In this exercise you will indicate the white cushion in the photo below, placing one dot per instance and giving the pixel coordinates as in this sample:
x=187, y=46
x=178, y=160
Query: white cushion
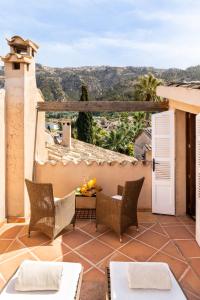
x=38, y=276
x=68, y=286
x=117, y=197
x=148, y=276
x=120, y=289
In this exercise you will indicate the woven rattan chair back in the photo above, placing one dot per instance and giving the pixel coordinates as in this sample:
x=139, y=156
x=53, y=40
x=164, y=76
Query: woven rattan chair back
x=42, y=207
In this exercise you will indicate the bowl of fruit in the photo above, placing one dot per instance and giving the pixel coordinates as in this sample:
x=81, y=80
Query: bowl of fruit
x=88, y=189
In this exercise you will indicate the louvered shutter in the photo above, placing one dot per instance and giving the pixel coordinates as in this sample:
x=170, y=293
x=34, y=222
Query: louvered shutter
x=198, y=178
x=163, y=153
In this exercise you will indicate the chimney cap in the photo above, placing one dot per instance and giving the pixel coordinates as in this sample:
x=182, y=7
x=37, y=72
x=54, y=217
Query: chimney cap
x=66, y=121
x=17, y=40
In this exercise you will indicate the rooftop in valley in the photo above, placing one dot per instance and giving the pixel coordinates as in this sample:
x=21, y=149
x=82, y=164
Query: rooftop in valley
x=81, y=151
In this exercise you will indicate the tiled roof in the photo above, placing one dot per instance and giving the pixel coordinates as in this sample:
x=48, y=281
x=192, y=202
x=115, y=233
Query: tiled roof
x=148, y=131
x=81, y=151
x=190, y=84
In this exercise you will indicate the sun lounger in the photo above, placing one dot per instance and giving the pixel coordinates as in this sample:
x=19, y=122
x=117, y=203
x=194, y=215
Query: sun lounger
x=69, y=287
x=117, y=286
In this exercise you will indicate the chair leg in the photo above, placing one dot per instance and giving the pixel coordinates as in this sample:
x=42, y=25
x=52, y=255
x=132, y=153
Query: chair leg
x=96, y=227
x=74, y=221
x=29, y=233
x=120, y=238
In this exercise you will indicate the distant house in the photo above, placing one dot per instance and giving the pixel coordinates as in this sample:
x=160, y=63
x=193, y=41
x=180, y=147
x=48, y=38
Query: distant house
x=142, y=145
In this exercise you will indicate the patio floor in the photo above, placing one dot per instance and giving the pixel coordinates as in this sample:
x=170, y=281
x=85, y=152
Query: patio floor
x=160, y=238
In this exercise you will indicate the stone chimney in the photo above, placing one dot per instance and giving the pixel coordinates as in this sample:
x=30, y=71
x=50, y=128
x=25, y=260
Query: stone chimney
x=21, y=96
x=66, y=139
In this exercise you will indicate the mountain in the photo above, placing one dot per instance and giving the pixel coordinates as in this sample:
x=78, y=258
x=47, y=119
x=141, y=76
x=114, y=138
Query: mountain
x=104, y=82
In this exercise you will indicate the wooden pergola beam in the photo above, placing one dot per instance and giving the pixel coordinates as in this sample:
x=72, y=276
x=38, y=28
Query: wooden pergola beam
x=102, y=106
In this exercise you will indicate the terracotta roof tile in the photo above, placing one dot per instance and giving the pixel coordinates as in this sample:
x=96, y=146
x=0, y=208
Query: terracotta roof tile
x=81, y=151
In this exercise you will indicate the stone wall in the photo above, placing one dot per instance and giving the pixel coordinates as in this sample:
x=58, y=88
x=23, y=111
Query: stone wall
x=67, y=177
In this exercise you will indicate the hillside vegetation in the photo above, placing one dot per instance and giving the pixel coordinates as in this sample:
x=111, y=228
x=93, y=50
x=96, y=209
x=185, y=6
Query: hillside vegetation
x=104, y=82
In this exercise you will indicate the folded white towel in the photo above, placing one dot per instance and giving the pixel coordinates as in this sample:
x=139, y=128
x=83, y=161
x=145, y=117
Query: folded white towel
x=149, y=275
x=38, y=276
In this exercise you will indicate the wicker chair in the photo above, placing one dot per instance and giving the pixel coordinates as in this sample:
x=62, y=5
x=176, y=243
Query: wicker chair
x=118, y=213
x=48, y=214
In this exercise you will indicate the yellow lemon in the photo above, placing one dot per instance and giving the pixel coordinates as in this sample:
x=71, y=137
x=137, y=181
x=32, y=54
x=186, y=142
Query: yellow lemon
x=90, y=184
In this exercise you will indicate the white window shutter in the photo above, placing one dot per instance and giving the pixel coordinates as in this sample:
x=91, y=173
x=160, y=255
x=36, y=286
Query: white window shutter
x=198, y=178
x=163, y=153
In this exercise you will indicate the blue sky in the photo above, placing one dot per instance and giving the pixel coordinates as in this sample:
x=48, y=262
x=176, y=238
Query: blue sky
x=159, y=33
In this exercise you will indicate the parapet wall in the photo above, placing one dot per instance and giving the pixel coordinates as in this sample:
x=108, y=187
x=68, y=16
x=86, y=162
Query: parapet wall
x=66, y=177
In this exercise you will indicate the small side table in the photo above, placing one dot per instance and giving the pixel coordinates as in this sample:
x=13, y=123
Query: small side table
x=85, y=207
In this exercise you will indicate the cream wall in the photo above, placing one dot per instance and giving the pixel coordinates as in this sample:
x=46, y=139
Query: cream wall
x=2, y=155
x=180, y=170
x=14, y=88
x=21, y=97
x=65, y=178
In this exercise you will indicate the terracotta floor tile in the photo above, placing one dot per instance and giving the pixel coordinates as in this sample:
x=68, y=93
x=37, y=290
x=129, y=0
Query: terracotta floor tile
x=9, y=267
x=191, y=228
x=75, y=238
x=191, y=282
x=177, y=266
x=162, y=219
x=11, y=233
x=189, y=248
x=116, y=256
x=93, y=286
x=191, y=296
x=82, y=223
x=186, y=220
x=146, y=217
x=36, y=239
x=14, y=249
x=51, y=252
x=157, y=228
x=178, y=232
x=147, y=224
x=23, y=231
x=95, y=251
x=195, y=264
x=90, y=228
x=112, y=239
x=173, y=250
x=137, y=251
x=73, y=257
x=133, y=232
x=153, y=239
x=101, y=250
x=4, y=244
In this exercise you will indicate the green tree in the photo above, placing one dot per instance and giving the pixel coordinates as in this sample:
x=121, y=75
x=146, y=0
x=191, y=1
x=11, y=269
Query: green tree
x=120, y=139
x=98, y=134
x=145, y=90
x=85, y=121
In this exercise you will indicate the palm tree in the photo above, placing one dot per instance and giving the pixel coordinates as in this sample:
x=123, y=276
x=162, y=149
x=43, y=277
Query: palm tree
x=145, y=89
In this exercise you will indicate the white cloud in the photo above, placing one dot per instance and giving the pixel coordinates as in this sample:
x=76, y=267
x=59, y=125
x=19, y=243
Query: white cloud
x=96, y=50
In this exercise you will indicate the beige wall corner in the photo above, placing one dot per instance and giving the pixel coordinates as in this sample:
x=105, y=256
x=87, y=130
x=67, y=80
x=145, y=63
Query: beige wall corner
x=2, y=157
x=180, y=172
